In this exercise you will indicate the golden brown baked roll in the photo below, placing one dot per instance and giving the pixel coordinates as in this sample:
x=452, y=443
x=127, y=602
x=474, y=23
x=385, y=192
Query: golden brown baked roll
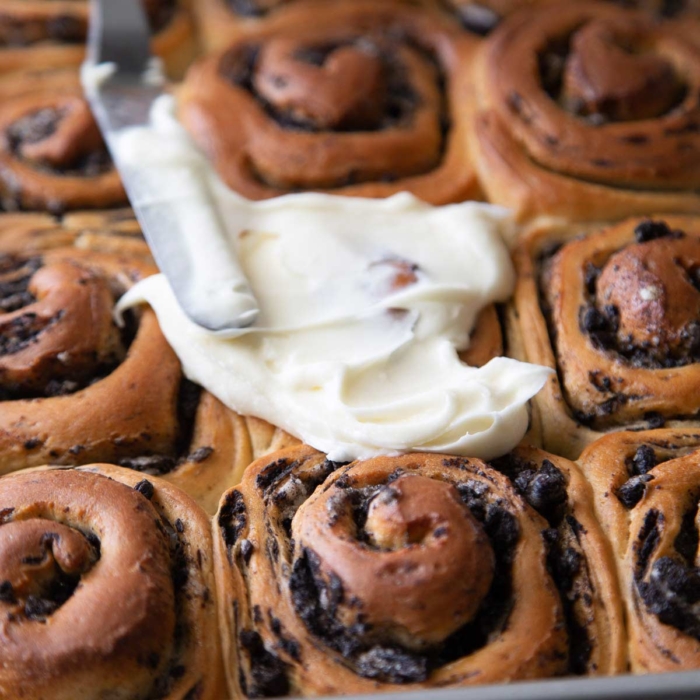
x=616, y=314
x=483, y=16
x=106, y=588
x=487, y=339
x=589, y=112
x=75, y=388
x=363, y=98
x=45, y=33
x=411, y=572
x=111, y=231
x=223, y=21
x=647, y=486
x=52, y=156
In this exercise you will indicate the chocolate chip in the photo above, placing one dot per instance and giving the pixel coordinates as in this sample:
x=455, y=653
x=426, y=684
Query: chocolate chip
x=273, y=473
x=631, y=492
x=593, y=320
x=478, y=19
x=647, y=541
x=32, y=443
x=151, y=464
x=247, y=549
x=233, y=519
x=392, y=665
x=36, y=608
x=591, y=274
x=643, y=460
x=654, y=420
x=7, y=592
x=544, y=489
x=268, y=673
x=671, y=593
x=200, y=454
x=649, y=230
x=145, y=488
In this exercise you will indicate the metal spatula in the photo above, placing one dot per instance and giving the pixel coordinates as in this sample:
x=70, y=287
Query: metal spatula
x=177, y=213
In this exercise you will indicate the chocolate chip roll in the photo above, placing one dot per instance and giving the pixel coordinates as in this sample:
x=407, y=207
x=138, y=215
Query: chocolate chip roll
x=616, y=314
x=52, y=156
x=410, y=572
x=361, y=98
x=106, y=588
x=589, y=112
x=75, y=388
x=647, y=486
x=45, y=33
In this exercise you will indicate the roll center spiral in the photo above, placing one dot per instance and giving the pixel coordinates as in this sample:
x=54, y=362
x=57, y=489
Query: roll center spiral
x=653, y=288
x=62, y=136
x=41, y=563
x=608, y=73
x=336, y=87
x=412, y=562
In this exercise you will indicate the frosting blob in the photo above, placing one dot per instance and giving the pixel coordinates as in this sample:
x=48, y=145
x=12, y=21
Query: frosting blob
x=364, y=306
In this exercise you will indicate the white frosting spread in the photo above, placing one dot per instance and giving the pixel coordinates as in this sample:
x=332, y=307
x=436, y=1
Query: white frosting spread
x=364, y=305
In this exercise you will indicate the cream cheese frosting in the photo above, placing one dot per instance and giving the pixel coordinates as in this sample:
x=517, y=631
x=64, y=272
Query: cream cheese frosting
x=364, y=306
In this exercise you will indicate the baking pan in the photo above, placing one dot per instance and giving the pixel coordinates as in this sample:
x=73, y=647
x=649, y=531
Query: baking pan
x=666, y=686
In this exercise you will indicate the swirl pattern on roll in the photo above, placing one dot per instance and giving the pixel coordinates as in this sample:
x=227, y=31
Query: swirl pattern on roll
x=360, y=99
x=616, y=314
x=52, y=156
x=106, y=582
x=647, y=486
x=589, y=112
x=76, y=389
x=405, y=573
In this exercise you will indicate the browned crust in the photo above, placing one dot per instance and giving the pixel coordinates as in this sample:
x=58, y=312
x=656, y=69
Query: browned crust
x=672, y=489
x=207, y=99
x=554, y=423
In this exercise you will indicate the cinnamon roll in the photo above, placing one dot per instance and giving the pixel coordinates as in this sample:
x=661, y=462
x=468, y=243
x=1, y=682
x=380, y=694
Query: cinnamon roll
x=52, y=156
x=647, y=486
x=45, y=33
x=616, y=314
x=361, y=98
x=75, y=388
x=106, y=588
x=410, y=572
x=589, y=112
x=111, y=231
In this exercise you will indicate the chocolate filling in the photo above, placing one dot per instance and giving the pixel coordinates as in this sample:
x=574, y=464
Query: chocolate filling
x=15, y=276
x=267, y=676
x=55, y=592
x=400, y=101
x=26, y=329
x=601, y=326
x=233, y=519
x=180, y=564
x=239, y=66
x=544, y=487
x=189, y=395
x=40, y=125
x=672, y=589
x=560, y=53
x=317, y=594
